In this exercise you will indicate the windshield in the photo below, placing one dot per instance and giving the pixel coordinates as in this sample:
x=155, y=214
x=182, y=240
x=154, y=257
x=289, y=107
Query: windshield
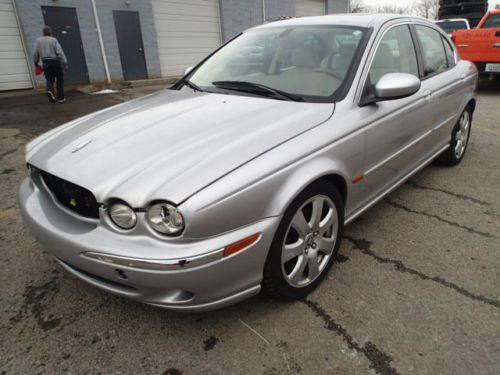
x=492, y=22
x=310, y=63
x=450, y=26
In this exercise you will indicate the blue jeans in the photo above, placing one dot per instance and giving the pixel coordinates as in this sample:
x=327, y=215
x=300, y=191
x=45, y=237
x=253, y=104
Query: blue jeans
x=53, y=72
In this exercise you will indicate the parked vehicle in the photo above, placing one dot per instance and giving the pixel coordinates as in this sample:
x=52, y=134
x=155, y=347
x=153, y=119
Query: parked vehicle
x=472, y=10
x=450, y=25
x=239, y=179
x=482, y=45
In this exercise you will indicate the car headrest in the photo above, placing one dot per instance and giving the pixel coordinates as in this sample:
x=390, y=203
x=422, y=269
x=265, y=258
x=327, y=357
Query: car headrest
x=304, y=56
x=347, y=49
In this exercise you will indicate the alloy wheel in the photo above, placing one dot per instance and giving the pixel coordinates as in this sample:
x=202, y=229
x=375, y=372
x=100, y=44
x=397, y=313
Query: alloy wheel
x=462, y=134
x=309, y=241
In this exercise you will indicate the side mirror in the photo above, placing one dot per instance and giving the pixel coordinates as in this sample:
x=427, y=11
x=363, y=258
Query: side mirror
x=187, y=70
x=395, y=86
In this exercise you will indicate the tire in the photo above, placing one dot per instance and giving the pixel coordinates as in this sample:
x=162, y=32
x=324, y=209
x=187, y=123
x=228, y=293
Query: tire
x=460, y=136
x=312, y=244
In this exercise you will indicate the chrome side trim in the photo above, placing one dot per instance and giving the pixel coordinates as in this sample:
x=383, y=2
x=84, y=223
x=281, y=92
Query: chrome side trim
x=391, y=188
x=156, y=264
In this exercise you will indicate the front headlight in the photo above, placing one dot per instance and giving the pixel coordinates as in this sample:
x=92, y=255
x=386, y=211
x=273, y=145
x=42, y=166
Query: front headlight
x=122, y=215
x=165, y=218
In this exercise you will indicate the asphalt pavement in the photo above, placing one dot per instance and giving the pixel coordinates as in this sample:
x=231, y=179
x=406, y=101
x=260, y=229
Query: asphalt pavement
x=415, y=290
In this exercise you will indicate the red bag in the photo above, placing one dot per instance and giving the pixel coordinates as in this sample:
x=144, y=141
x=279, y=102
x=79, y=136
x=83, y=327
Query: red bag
x=38, y=70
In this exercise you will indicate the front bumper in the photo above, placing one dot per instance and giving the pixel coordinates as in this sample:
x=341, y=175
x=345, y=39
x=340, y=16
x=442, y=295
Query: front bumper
x=190, y=286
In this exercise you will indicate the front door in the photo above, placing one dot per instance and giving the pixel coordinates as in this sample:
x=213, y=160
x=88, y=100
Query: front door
x=397, y=131
x=64, y=24
x=129, y=36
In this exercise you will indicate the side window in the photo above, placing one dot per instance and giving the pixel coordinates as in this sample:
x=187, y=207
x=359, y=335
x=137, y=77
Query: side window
x=493, y=21
x=432, y=49
x=395, y=54
x=450, y=55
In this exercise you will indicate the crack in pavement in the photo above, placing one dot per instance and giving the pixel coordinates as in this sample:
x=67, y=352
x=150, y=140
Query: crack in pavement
x=379, y=361
x=4, y=154
x=416, y=185
x=365, y=247
x=452, y=223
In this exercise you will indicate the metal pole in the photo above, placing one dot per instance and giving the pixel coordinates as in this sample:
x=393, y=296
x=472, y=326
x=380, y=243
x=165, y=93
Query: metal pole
x=263, y=11
x=101, y=43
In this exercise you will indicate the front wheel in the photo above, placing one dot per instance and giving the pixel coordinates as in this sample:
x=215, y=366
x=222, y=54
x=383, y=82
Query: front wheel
x=305, y=243
x=459, y=140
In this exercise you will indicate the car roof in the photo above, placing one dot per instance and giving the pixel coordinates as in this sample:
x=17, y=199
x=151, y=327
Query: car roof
x=348, y=19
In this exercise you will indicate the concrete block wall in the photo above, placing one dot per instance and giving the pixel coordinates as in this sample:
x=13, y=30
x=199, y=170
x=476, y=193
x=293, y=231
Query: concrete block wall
x=279, y=8
x=144, y=7
x=337, y=6
x=32, y=23
x=238, y=15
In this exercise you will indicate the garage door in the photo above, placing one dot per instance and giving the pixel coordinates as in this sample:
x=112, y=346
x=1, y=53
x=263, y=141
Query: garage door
x=310, y=7
x=187, y=30
x=14, y=72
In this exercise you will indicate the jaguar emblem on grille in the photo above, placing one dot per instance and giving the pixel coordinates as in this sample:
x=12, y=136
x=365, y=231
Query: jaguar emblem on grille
x=80, y=146
x=72, y=202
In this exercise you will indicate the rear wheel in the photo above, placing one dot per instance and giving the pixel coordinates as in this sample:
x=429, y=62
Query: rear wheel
x=459, y=140
x=305, y=243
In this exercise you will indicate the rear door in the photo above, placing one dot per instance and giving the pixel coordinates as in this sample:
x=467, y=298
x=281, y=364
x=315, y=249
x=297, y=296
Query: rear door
x=443, y=84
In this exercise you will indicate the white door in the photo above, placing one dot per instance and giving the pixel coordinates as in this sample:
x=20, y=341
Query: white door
x=310, y=8
x=14, y=72
x=187, y=31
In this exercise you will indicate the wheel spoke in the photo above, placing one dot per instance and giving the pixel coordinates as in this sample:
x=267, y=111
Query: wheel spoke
x=317, y=209
x=293, y=250
x=298, y=272
x=312, y=268
x=328, y=221
x=325, y=245
x=300, y=224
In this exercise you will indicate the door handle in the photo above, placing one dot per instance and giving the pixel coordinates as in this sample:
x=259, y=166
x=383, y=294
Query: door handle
x=427, y=95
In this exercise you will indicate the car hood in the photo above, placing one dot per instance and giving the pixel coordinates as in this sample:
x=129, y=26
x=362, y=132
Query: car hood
x=170, y=144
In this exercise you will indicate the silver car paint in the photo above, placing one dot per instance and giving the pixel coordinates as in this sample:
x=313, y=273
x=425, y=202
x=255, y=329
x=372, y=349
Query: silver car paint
x=230, y=176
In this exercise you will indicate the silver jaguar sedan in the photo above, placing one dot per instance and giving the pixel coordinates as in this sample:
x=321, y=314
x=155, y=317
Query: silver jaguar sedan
x=242, y=176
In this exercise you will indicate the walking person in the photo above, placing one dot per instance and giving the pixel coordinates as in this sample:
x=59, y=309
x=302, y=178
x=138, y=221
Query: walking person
x=48, y=49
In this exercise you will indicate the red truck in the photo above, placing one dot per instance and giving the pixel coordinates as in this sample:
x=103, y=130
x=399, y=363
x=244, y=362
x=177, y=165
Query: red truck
x=482, y=44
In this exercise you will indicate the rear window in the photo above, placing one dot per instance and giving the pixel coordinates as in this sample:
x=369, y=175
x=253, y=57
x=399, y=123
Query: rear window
x=450, y=26
x=433, y=52
x=492, y=22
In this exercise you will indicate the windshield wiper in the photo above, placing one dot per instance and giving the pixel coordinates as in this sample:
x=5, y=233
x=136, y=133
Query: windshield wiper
x=192, y=85
x=258, y=89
